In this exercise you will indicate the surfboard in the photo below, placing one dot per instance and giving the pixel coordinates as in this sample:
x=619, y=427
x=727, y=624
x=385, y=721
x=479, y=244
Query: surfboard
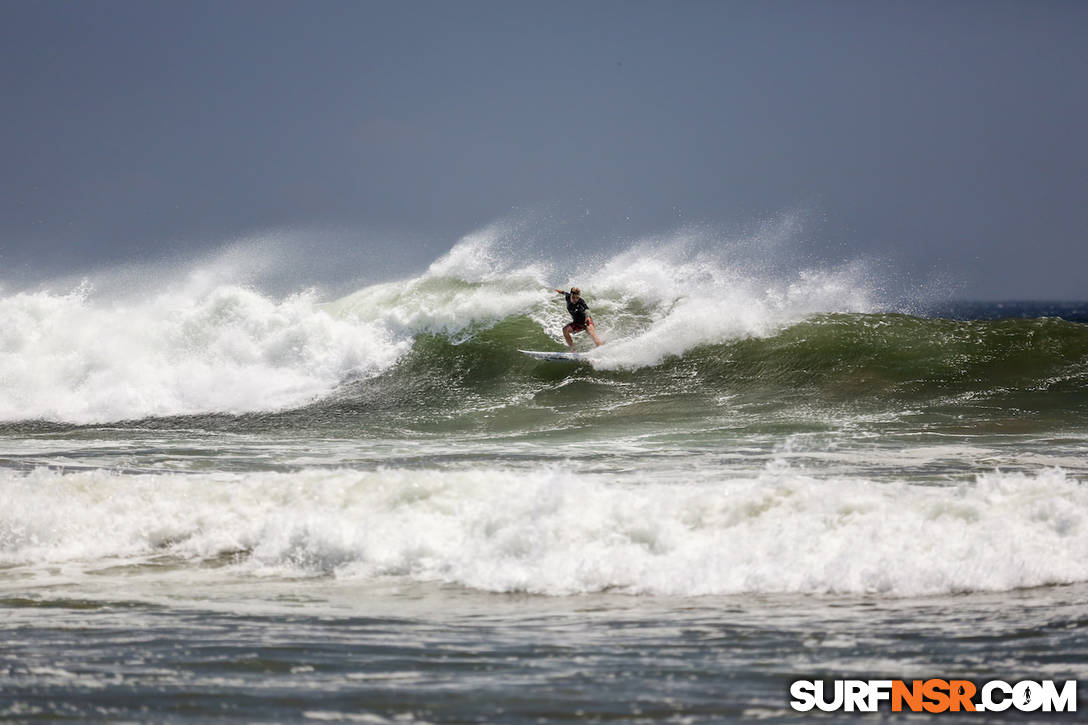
x=556, y=356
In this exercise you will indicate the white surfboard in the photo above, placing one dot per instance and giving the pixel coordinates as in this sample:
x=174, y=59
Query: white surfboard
x=557, y=356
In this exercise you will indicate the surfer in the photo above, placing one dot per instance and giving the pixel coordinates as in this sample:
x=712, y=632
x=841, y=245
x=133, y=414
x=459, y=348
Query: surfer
x=577, y=308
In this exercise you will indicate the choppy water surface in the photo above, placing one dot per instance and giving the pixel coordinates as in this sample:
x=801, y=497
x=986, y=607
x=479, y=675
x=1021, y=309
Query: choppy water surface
x=391, y=652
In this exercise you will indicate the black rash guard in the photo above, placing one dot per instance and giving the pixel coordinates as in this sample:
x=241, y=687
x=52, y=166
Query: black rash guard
x=577, y=309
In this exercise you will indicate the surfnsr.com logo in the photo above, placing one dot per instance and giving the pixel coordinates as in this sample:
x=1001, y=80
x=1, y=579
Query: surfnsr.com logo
x=934, y=695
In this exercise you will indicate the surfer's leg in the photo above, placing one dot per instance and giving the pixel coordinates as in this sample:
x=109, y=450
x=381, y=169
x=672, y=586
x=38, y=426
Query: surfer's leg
x=593, y=333
x=566, y=335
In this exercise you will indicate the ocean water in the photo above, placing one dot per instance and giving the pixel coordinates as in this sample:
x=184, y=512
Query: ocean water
x=221, y=504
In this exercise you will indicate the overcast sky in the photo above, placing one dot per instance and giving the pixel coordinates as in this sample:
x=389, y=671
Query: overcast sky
x=945, y=136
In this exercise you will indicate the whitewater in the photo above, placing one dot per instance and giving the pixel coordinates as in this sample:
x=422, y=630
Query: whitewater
x=221, y=501
x=545, y=533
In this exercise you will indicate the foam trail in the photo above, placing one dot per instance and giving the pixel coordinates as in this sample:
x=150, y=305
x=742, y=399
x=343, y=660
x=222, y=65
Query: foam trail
x=501, y=530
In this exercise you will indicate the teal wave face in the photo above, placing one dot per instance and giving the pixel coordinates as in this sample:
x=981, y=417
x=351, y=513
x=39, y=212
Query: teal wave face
x=1027, y=370
x=905, y=358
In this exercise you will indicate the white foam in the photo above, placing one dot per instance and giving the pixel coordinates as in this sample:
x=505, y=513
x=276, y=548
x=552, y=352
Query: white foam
x=502, y=530
x=70, y=357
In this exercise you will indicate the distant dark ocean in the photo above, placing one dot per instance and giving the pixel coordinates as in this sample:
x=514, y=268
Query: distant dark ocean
x=1069, y=311
x=216, y=505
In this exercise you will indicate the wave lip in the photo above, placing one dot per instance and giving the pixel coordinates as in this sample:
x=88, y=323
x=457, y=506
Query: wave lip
x=503, y=531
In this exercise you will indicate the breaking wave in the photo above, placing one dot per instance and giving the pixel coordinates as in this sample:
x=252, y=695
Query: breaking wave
x=202, y=345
